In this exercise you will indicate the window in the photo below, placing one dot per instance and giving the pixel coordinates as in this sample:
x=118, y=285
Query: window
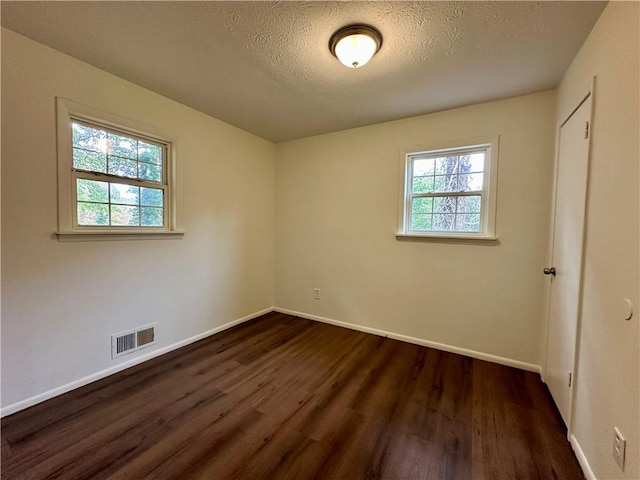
x=113, y=177
x=450, y=191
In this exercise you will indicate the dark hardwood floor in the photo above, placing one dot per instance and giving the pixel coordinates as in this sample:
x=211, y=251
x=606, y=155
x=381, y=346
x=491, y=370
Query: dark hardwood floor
x=281, y=397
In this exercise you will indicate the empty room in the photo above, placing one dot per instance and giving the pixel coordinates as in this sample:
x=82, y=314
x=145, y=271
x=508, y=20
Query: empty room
x=320, y=240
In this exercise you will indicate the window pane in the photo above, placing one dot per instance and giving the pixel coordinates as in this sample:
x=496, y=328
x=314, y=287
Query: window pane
x=93, y=214
x=120, y=179
x=422, y=205
x=88, y=138
x=123, y=146
x=125, y=215
x=422, y=184
x=149, y=153
x=446, y=165
x=151, y=217
x=471, y=182
x=128, y=194
x=86, y=160
x=469, y=204
x=476, y=162
x=421, y=221
x=444, y=222
x=151, y=197
x=444, y=205
x=423, y=166
x=446, y=183
x=150, y=172
x=123, y=167
x=454, y=189
x=468, y=223
x=92, y=191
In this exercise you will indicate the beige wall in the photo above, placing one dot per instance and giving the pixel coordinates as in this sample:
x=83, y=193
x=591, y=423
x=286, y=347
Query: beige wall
x=337, y=214
x=62, y=301
x=608, y=375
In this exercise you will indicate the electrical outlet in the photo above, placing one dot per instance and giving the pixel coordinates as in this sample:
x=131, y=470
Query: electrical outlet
x=316, y=293
x=619, y=447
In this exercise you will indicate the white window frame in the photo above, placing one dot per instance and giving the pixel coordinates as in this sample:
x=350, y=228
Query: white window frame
x=68, y=111
x=488, y=192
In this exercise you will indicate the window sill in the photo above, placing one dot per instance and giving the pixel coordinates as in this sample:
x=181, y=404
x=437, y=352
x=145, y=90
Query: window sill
x=448, y=238
x=89, y=236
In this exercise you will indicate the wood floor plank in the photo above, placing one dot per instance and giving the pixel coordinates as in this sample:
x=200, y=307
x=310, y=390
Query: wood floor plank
x=404, y=456
x=281, y=397
x=162, y=393
x=289, y=455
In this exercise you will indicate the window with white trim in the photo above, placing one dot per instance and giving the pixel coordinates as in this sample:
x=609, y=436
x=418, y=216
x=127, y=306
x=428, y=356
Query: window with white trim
x=119, y=177
x=450, y=191
x=113, y=177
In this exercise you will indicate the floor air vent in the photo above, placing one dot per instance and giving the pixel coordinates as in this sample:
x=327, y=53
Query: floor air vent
x=133, y=340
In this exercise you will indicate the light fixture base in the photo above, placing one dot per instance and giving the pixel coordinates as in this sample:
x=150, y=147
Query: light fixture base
x=352, y=30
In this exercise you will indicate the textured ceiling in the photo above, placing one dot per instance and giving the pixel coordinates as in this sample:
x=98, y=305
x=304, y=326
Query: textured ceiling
x=265, y=66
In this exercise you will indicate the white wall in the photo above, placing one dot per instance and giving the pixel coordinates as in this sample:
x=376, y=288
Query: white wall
x=337, y=214
x=62, y=301
x=608, y=374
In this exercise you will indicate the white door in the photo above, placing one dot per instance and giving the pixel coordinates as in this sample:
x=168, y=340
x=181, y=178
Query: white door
x=566, y=265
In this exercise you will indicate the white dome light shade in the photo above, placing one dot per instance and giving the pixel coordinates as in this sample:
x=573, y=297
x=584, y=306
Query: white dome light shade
x=355, y=50
x=355, y=45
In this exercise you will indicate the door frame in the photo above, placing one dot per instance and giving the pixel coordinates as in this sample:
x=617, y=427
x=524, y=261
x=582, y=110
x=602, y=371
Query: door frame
x=575, y=364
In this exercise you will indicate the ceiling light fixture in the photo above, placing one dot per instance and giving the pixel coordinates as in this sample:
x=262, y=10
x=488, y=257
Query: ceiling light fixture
x=355, y=45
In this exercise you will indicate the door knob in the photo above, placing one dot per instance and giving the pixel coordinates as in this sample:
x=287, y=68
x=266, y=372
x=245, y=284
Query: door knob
x=550, y=271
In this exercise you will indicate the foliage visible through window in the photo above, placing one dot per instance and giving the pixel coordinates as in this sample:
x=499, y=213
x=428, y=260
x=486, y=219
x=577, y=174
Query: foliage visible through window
x=446, y=191
x=119, y=178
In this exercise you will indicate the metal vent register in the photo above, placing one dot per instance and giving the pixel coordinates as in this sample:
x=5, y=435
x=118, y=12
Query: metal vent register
x=127, y=342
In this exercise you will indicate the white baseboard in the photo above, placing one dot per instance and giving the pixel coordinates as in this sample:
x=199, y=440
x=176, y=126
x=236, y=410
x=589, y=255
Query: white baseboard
x=21, y=405
x=582, y=458
x=419, y=341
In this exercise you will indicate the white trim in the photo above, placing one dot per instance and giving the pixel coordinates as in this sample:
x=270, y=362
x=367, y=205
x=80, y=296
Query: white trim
x=489, y=191
x=582, y=458
x=21, y=405
x=66, y=111
x=449, y=236
x=84, y=236
x=576, y=354
x=588, y=96
x=419, y=341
